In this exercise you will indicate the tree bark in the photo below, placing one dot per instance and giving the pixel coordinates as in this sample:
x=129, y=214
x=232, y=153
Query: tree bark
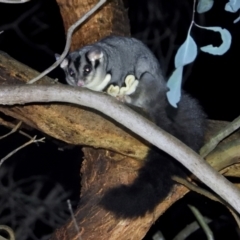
x=93, y=221
x=101, y=169
x=110, y=19
x=115, y=159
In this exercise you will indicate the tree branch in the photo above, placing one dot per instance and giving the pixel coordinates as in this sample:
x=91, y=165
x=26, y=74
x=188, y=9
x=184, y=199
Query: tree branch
x=14, y=1
x=133, y=121
x=223, y=133
x=68, y=42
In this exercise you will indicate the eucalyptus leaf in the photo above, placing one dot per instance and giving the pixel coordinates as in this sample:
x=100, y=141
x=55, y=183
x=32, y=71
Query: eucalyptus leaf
x=232, y=6
x=174, y=84
x=186, y=53
x=204, y=5
x=226, y=41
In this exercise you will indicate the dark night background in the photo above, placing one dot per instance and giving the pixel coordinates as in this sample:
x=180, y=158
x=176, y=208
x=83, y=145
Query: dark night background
x=33, y=32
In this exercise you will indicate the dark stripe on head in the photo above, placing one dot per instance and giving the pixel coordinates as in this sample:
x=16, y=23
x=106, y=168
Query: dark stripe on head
x=69, y=60
x=96, y=64
x=87, y=59
x=77, y=62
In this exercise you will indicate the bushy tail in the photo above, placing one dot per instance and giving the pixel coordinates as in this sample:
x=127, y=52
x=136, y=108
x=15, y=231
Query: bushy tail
x=150, y=187
x=154, y=182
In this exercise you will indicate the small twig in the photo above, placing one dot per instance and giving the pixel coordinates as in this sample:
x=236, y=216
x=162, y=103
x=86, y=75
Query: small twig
x=11, y=125
x=68, y=42
x=14, y=1
x=193, y=16
x=14, y=25
x=74, y=219
x=189, y=229
x=12, y=131
x=207, y=194
x=21, y=94
x=223, y=133
x=202, y=223
x=33, y=140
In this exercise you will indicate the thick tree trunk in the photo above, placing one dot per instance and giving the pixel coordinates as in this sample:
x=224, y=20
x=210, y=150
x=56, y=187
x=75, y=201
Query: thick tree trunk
x=110, y=19
x=100, y=172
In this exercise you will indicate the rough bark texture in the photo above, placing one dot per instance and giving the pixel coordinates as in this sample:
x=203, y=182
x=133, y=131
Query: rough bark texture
x=96, y=223
x=225, y=157
x=101, y=168
x=110, y=19
x=70, y=124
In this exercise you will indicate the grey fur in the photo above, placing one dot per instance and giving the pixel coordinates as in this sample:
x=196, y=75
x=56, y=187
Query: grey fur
x=121, y=56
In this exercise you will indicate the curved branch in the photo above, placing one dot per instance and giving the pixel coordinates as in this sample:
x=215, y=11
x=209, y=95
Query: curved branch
x=111, y=107
x=14, y=1
x=8, y=230
x=219, y=136
x=68, y=43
